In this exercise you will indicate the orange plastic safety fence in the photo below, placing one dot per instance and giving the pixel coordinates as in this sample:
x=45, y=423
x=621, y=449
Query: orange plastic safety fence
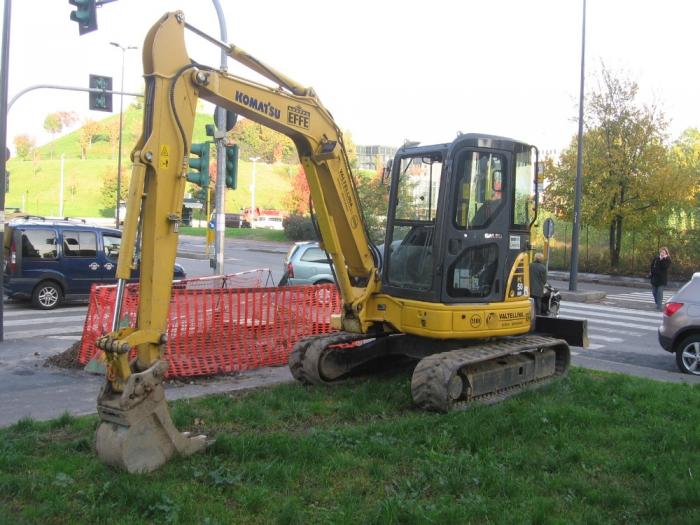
x=218, y=326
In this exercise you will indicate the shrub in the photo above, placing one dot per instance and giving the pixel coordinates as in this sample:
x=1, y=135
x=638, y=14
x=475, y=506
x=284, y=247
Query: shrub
x=299, y=228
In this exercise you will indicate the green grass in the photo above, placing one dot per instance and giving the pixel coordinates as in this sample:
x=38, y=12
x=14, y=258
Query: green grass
x=593, y=448
x=257, y=234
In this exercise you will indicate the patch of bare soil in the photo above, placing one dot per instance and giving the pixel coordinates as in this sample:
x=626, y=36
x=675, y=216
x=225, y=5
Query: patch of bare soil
x=66, y=359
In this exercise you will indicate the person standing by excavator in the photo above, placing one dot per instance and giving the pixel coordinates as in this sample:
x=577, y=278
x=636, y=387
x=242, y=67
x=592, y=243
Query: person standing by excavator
x=538, y=278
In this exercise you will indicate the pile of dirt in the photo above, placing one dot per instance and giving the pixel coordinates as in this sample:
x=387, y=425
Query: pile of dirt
x=66, y=359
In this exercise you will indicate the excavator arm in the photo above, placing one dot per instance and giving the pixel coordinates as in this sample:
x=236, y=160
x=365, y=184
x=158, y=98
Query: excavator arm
x=136, y=431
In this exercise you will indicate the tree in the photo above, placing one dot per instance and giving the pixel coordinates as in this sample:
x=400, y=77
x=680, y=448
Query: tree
x=112, y=129
x=108, y=192
x=297, y=200
x=624, y=160
x=87, y=134
x=374, y=200
x=24, y=145
x=256, y=140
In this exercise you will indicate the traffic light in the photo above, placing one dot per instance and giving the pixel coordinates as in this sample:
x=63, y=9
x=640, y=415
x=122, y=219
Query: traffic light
x=200, y=166
x=101, y=101
x=232, y=166
x=85, y=15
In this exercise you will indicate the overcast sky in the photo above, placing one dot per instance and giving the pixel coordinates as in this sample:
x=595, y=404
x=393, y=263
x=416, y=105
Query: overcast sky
x=388, y=71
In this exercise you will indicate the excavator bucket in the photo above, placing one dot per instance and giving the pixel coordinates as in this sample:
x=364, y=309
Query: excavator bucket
x=136, y=432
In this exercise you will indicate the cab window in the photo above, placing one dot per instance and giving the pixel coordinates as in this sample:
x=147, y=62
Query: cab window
x=480, y=188
x=79, y=244
x=39, y=244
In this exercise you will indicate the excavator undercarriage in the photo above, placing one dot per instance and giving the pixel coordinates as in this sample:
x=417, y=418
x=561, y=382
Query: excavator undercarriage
x=449, y=375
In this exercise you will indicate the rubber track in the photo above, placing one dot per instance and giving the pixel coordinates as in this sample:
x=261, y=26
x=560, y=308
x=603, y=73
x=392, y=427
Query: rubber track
x=305, y=356
x=432, y=374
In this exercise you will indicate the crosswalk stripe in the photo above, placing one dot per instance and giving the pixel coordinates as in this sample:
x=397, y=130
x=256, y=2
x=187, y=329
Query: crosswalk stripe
x=24, y=334
x=594, y=328
x=627, y=325
x=599, y=307
x=45, y=320
x=595, y=314
x=605, y=338
x=18, y=312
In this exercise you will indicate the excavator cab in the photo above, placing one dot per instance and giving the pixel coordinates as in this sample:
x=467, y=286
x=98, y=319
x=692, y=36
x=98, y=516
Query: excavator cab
x=459, y=217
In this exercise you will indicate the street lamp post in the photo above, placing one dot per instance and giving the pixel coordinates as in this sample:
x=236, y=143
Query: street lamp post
x=121, y=117
x=252, y=194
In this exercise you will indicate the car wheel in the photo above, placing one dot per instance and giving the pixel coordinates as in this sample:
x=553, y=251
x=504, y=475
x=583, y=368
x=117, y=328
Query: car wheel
x=47, y=295
x=688, y=355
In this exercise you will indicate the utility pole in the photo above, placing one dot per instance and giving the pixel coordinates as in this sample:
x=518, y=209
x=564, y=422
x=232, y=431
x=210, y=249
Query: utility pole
x=573, y=275
x=121, y=117
x=4, y=69
x=220, y=195
x=252, y=193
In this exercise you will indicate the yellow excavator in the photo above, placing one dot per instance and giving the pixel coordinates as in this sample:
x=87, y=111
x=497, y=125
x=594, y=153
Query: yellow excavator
x=450, y=286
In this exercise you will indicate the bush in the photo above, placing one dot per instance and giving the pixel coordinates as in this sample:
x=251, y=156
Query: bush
x=299, y=228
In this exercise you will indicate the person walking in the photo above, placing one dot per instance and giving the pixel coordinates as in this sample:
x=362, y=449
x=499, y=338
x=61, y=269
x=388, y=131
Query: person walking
x=658, y=276
x=538, y=278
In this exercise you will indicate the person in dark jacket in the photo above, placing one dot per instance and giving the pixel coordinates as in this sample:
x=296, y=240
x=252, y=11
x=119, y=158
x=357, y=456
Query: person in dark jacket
x=538, y=277
x=658, y=275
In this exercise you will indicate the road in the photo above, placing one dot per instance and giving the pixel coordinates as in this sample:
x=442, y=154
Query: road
x=622, y=330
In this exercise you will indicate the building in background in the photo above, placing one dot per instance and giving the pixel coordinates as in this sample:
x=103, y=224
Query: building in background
x=374, y=157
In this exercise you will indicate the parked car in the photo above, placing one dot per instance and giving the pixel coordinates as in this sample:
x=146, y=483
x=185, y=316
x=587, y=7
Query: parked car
x=271, y=223
x=50, y=260
x=306, y=263
x=679, y=332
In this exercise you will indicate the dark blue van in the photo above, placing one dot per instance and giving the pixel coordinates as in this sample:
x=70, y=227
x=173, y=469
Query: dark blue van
x=51, y=260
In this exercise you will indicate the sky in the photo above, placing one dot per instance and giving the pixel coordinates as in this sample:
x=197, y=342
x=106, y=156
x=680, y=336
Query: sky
x=388, y=71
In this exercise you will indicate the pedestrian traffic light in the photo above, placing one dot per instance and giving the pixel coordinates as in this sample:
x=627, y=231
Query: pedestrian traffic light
x=101, y=100
x=200, y=166
x=232, y=166
x=85, y=15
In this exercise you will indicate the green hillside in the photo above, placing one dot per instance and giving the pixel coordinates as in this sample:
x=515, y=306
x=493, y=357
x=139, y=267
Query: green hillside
x=34, y=184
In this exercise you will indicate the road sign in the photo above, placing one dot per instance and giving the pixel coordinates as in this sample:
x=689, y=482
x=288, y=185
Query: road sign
x=548, y=228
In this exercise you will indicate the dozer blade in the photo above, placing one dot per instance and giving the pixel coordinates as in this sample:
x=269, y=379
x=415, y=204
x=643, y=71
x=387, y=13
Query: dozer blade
x=136, y=432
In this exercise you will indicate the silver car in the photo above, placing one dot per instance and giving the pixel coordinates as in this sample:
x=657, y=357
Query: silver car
x=306, y=263
x=679, y=332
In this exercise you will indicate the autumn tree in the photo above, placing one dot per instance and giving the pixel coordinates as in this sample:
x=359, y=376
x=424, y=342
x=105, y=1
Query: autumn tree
x=86, y=136
x=24, y=145
x=56, y=122
x=625, y=164
x=297, y=200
